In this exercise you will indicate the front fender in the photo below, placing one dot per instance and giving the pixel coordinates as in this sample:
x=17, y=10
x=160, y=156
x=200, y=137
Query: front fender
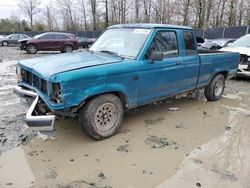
x=77, y=97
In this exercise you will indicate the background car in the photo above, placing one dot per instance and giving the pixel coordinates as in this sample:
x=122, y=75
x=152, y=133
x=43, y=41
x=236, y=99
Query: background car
x=50, y=41
x=13, y=39
x=216, y=44
x=242, y=46
x=199, y=41
x=84, y=42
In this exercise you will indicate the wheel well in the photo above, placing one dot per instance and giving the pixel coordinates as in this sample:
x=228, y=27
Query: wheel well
x=5, y=41
x=67, y=45
x=32, y=44
x=121, y=96
x=224, y=73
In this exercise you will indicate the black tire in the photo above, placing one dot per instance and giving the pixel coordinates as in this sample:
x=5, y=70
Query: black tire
x=31, y=49
x=68, y=49
x=5, y=43
x=101, y=117
x=215, y=89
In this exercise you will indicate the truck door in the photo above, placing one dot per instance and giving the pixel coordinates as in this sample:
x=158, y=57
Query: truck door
x=176, y=73
x=190, y=60
x=160, y=79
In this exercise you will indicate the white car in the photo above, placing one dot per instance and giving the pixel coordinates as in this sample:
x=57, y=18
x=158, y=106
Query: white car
x=242, y=46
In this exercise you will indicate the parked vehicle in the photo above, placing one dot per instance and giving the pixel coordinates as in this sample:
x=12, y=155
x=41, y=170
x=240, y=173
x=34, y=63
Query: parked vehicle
x=199, y=41
x=85, y=42
x=50, y=41
x=216, y=44
x=128, y=66
x=13, y=39
x=242, y=46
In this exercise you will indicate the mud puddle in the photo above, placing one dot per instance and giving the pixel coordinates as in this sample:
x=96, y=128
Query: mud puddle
x=223, y=161
x=149, y=149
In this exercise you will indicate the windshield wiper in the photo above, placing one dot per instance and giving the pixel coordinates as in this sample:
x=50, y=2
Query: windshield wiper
x=91, y=51
x=111, y=53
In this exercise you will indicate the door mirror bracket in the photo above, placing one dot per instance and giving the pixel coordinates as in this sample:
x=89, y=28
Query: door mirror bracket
x=156, y=56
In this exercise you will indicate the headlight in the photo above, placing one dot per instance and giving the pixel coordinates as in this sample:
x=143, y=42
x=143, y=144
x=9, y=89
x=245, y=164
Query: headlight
x=56, y=93
x=18, y=73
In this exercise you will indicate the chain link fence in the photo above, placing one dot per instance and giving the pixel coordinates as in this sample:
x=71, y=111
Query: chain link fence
x=223, y=32
x=88, y=34
x=210, y=33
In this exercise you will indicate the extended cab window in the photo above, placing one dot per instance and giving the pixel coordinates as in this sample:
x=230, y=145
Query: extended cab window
x=166, y=42
x=189, y=41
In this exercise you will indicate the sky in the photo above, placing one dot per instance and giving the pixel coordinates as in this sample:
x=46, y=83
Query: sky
x=10, y=7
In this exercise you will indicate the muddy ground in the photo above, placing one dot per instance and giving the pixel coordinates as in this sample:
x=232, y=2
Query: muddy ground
x=202, y=144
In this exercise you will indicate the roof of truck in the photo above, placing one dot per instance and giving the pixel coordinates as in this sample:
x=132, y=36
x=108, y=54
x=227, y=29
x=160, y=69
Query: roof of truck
x=149, y=26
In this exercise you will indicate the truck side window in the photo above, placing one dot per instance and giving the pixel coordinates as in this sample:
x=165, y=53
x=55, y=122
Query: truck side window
x=166, y=42
x=189, y=43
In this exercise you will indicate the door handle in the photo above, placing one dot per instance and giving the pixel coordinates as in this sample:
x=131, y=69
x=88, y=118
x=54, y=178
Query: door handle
x=178, y=62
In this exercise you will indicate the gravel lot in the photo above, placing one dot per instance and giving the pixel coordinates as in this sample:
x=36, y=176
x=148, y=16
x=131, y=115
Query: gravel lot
x=203, y=144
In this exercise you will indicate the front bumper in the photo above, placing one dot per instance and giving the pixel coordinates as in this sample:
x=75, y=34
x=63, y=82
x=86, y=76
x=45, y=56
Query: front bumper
x=243, y=71
x=36, y=122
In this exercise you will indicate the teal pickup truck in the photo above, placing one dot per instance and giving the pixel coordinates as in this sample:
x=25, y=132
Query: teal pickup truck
x=129, y=65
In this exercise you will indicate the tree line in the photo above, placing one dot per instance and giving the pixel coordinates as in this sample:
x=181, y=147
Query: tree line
x=72, y=15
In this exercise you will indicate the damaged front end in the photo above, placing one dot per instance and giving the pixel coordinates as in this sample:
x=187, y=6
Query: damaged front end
x=37, y=117
x=244, y=66
x=46, y=96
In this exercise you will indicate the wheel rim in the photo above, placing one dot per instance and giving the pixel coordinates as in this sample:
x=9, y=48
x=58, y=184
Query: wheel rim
x=106, y=116
x=32, y=49
x=218, y=88
x=68, y=49
x=5, y=43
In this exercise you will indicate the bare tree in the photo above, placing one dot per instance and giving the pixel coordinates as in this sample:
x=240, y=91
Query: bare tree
x=106, y=14
x=232, y=13
x=186, y=11
x=30, y=8
x=67, y=11
x=83, y=10
x=49, y=17
x=93, y=11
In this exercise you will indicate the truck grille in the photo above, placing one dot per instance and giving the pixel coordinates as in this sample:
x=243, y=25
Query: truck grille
x=34, y=80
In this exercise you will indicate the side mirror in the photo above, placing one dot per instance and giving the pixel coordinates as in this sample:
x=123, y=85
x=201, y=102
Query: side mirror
x=229, y=44
x=156, y=56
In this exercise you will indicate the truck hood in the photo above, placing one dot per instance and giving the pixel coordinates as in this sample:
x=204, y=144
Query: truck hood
x=47, y=66
x=240, y=50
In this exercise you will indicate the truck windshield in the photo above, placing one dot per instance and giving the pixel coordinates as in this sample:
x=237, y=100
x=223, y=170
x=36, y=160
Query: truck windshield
x=124, y=42
x=242, y=42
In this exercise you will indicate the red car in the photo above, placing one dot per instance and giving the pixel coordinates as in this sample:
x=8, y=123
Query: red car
x=51, y=41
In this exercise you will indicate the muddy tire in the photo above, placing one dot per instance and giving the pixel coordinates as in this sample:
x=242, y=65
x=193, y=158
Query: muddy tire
x=31, y=49
x=215, y=89
x=68, y=49
x=101, y=117
x=5, y=43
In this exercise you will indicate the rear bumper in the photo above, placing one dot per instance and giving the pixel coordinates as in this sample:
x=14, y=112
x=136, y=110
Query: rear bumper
x=34, y=120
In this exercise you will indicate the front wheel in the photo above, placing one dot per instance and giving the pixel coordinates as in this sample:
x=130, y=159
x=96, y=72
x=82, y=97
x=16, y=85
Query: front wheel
x=31, y=49
x=5, y=43
x=101, y=117
x=215, y=89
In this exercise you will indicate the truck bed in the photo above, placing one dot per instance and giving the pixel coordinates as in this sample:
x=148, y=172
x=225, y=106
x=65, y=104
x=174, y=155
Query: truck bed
x=216, y=61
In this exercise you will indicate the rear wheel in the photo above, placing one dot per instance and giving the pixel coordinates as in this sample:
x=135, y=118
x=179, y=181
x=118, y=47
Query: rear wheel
x=101, y=117
x=31, y=49
x=215, y=89
x=5, y=43
x=68, y=49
